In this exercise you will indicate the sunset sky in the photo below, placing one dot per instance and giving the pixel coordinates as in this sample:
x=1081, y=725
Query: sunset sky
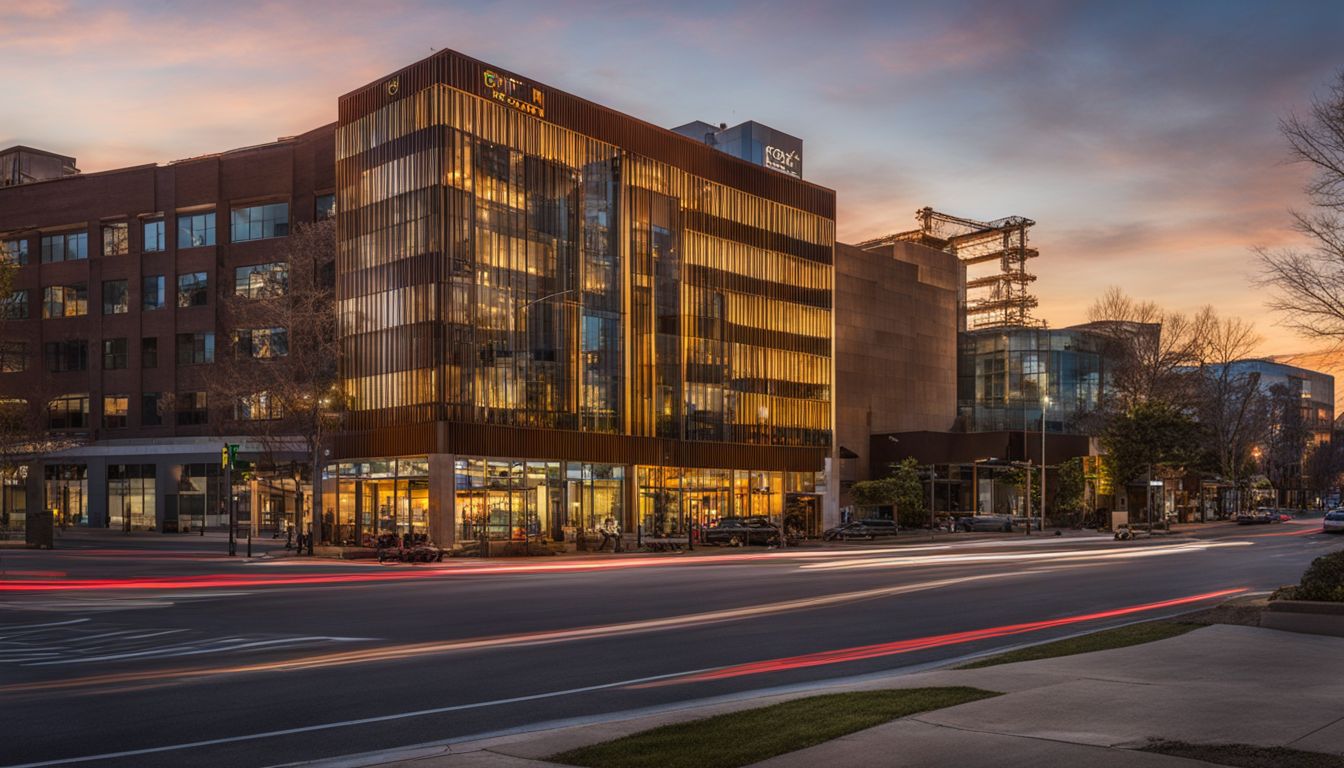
x=1142, y=137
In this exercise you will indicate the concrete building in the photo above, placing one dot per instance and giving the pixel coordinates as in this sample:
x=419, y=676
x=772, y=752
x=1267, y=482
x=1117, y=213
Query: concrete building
x=896, y=341
x=751, y=141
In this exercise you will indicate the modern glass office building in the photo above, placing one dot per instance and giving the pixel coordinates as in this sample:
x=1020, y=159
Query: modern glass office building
x=554, y=314
x=1006, y=376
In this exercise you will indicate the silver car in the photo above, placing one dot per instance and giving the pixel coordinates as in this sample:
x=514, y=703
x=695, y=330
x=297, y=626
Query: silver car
x=1334, y=521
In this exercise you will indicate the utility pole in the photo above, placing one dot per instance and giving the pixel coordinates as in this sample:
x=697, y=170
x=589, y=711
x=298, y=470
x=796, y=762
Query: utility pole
x=1027, y=501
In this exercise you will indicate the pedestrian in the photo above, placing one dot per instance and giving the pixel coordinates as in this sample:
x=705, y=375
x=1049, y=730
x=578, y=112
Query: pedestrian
x=610, y=532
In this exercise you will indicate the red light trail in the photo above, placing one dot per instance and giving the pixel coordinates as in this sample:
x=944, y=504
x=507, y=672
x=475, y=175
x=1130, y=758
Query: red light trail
x=923, y=643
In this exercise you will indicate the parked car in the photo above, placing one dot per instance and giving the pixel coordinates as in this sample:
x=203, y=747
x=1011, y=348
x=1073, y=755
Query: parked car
x=861, y=529
x=985, y=523
x=1334, y=521
x=1259, y=516
x=742, y=531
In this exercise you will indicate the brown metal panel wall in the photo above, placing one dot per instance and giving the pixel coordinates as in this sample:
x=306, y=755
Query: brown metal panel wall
x=519, y=442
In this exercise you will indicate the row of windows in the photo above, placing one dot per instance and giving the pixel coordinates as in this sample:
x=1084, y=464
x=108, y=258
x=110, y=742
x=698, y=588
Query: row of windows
x=72, y=411
x=187, y=408
x=194, y=230
x=193, y=290
x=192, y=349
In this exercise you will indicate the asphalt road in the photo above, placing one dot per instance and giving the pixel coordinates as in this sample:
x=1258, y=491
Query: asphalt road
x=147, y=652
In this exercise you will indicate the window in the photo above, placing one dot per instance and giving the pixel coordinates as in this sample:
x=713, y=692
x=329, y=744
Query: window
x=195, y=230
x=14, y=251
x=195, y=348
x=259, y=281
x=69, y=246
x=63, y=356
x=149, y=352
x=259, y=222
x=258, y=407
x=150, y=409
x=116, y=297
x=192, y=290
x=65, y=300
x=114, y=354
x=115, y=409
x=262, y=343
x=116, y=239
x=324, y=207
x=13, y=356
x=191, y=408
x=152, y=297
x=68, y=412
x=154, y=240
x=15, y=307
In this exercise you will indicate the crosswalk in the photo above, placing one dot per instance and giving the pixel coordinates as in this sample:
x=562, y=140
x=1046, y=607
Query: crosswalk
x=84, y=641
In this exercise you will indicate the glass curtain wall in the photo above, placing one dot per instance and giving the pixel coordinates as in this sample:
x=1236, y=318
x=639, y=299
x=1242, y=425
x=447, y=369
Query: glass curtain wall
x=504, y=229
x=505, y=238
x=1003, y=375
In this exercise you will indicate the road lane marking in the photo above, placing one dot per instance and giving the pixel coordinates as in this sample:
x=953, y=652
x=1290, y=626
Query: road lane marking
x=342, y=724
x=415, y=650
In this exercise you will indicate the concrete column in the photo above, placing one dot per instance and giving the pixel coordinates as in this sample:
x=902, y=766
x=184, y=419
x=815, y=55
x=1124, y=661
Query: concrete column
x=442, y=507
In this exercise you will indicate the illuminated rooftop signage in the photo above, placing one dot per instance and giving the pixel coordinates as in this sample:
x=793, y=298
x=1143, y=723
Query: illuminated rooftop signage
x=519, y=94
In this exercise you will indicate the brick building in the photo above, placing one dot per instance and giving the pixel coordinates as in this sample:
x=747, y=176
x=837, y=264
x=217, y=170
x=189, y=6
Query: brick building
x=115, y=318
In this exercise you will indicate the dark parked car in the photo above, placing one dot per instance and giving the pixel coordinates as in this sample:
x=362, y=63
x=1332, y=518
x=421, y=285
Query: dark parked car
x=741, y=531
x=1334, y=521
x=1260, y=516
x=861, y=529
x=985, y=523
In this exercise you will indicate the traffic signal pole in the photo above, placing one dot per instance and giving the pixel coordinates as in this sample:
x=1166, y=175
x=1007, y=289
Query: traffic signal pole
x=228, y=456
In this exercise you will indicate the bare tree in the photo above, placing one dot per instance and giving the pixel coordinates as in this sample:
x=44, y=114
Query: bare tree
x=277, y=380
x=1308, y=284
x=1231, y=406
x=1151, y=351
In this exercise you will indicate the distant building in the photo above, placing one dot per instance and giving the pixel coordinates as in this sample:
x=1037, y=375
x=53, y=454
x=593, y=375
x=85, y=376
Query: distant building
x=1314, y=391
x=751, y=141
x=24, y=165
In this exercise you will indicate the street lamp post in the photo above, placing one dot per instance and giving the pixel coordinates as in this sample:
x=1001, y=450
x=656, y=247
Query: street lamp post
x=1045, y=403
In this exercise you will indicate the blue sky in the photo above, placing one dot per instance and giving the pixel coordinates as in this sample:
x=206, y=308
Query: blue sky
x=1142, y=137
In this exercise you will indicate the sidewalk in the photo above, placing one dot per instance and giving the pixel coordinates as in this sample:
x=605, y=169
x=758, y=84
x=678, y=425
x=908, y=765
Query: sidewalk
x=1216, y=685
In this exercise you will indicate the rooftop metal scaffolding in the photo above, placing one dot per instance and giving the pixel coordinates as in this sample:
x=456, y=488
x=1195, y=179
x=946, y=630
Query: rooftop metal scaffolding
x=995, y=254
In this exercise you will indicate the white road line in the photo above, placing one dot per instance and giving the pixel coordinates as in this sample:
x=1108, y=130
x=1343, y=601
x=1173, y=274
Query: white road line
x=348, y=723
x=26, y=627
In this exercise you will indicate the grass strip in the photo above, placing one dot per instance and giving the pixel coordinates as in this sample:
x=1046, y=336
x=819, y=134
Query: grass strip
x=741, y=738
x=1246, y=755
x=1120, y=637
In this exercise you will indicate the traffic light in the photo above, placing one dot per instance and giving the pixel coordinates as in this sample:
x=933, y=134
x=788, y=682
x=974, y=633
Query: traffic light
x=228, y=455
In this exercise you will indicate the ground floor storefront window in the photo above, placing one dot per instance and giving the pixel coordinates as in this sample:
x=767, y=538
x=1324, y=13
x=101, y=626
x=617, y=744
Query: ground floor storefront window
x=499, y=499
x=130, y=497
x=67, y=493
x=200, y=494
x=365, y=499
x=13, y=498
